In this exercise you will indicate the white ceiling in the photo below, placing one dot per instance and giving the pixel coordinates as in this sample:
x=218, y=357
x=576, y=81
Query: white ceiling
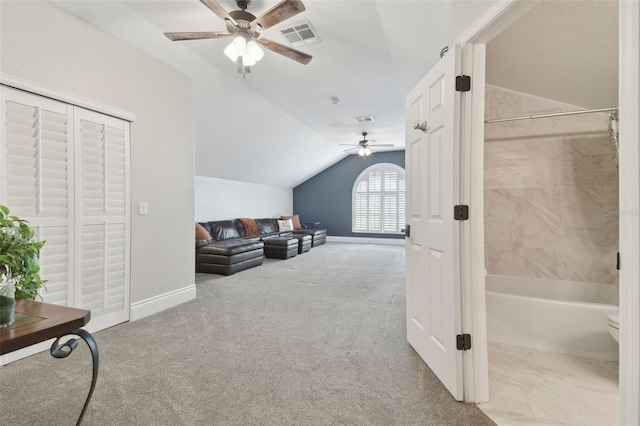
x=372, y=53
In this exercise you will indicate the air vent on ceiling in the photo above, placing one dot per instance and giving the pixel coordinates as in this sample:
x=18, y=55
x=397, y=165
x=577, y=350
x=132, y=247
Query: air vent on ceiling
x=363, y=119
x=301, y=34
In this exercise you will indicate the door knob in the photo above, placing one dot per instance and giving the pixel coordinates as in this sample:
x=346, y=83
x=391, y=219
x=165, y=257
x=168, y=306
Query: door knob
x=421, y=126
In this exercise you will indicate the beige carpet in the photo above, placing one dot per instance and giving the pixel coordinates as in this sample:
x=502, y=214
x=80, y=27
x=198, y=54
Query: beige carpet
x=318, y=339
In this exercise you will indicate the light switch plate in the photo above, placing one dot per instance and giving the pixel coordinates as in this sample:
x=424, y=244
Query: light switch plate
x=144, y=208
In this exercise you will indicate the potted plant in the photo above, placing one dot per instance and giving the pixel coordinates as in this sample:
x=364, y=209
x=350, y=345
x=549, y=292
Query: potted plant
x=19, y=269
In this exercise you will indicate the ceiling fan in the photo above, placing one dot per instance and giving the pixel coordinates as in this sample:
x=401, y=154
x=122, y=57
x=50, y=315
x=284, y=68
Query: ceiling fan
x=365, y=146
x=245, y=29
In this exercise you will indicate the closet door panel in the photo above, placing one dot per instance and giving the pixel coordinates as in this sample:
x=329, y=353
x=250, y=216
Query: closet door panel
x=36, y=183
x=102, y=211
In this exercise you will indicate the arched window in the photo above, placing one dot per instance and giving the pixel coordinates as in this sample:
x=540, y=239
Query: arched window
x=379, y=200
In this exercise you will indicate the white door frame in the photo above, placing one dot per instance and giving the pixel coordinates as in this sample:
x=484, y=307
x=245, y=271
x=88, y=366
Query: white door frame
x=473, y=41
x=629, y=208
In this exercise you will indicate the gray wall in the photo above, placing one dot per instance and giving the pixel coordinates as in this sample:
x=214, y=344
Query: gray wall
x=326, y=197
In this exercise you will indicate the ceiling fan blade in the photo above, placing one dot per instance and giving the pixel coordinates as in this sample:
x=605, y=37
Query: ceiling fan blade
x=218, y=10
x=348, y=144
x=290, y=53
x=280, y=12
x=378, y=145
x=195, y=35
x=351, y=149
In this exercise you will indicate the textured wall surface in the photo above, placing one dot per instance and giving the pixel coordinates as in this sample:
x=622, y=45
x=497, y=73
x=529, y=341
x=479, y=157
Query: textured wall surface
x=551, y=192
x=326, y=197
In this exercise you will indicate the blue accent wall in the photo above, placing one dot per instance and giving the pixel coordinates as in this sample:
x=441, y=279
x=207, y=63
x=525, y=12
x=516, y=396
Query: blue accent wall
x=326, y=197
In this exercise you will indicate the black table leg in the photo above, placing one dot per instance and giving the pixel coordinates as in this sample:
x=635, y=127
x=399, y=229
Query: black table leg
x=64, y=350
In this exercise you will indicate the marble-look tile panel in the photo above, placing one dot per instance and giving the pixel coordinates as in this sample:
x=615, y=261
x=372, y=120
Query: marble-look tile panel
x=542, y=126
x=506, y=131
x=511, y=400
x=538, y=387
x=583, y=231
x=503, y=245
x=542, y=262
x=544, y=171
x=585, y=123
x=586, y=169
x=505, y=149
x=543, y=202
x=508, y=173
x=610, y=198
x=502, y=103
x=560, y=180
x=588, y=144
x=582, y=200
x=508, y=202
x=544, y=146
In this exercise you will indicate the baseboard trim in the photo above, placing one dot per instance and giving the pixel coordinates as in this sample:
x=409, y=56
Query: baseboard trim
x=364, y=240
x=159, y=303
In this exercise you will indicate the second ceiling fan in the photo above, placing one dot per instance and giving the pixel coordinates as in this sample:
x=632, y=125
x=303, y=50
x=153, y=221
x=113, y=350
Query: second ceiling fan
x=365, y=146
x=245, y=29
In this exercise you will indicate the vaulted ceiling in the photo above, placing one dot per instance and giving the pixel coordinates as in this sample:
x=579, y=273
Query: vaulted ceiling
x=278, y=124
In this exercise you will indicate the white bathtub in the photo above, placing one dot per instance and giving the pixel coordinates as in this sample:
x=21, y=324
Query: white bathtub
x=558, y=316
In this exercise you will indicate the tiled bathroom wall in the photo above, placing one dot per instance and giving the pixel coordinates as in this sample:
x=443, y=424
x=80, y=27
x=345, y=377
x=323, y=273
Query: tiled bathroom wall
x=551, y=192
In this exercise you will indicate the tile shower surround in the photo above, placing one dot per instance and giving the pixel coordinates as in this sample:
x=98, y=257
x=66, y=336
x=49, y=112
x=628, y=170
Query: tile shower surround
x=551, y=192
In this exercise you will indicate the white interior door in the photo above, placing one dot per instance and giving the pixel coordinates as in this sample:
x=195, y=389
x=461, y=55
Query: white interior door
x=433, y=296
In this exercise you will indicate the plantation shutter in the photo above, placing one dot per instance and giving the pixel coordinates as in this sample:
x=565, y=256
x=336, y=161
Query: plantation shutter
x=360, y=206
x=36, y=153
x=102, y=211
x=379, y=199
x=65, y=170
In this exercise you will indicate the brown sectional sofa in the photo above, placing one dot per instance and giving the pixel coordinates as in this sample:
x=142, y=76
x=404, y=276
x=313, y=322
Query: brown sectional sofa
x=232, y=250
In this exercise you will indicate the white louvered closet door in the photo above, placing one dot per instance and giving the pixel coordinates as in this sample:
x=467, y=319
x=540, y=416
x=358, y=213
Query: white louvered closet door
x=36, y=180
x=102, y=209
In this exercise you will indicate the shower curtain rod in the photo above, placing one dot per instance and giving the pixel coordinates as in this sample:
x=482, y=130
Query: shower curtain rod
x=553, y=114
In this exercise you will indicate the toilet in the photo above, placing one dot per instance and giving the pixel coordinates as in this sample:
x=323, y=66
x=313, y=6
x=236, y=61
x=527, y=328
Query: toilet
x=613, y=323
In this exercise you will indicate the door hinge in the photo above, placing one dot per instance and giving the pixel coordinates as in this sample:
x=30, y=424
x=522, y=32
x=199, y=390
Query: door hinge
x=463, y=83
x=463, y=342
x=461, y=212
x=618, y=261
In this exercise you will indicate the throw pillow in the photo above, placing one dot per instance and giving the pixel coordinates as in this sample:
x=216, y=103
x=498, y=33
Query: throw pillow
x=202, y=234
x=295, y=219
x=285, y=225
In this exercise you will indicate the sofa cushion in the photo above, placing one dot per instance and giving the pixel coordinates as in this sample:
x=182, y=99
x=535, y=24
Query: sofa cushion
x=202, y=234
x=267, y=226
x=231, y=247
x=285, y=225
x=223, y=230
x=295, y=219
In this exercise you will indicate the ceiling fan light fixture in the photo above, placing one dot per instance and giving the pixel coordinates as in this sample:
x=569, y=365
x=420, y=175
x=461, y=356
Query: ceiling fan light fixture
x=254, y=52
x=250, y=51
x=236, y=48
x=361, y=152
x=367, y=151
